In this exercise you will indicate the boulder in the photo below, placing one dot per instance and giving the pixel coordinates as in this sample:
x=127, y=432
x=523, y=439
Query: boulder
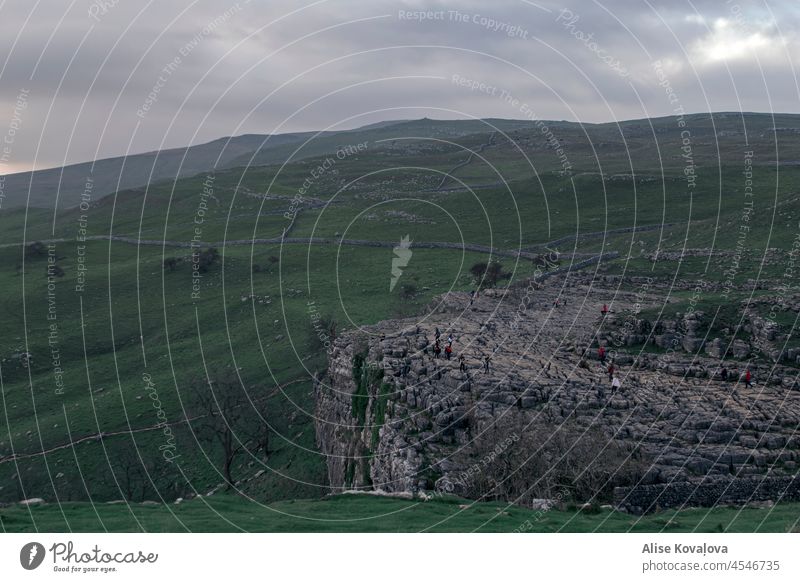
x=666, y=341
x=691, y=344
x=715, y=348
x=740, y=349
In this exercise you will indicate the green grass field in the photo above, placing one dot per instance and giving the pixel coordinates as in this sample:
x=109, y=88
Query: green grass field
x=366, y=513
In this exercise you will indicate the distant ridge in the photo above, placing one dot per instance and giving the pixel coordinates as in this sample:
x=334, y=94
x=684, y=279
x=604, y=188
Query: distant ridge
x=106, y=176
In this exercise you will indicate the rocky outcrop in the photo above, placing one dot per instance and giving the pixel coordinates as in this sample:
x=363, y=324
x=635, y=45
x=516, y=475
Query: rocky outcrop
x=392, y=417
x=691, y=332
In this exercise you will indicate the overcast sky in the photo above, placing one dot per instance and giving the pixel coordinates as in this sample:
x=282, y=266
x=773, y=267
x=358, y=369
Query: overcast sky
x=88, y=79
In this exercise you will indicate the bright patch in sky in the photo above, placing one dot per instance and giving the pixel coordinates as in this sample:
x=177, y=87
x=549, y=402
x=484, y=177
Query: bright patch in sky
x=729, y=40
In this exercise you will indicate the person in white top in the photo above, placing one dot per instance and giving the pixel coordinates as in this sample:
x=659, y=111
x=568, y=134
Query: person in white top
x=615, y=384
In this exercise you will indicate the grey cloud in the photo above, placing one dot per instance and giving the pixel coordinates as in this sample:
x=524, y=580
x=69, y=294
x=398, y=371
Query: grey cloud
x=228, y=42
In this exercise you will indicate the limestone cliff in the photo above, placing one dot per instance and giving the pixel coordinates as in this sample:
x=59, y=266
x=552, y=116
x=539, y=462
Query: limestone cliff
x=391, y=416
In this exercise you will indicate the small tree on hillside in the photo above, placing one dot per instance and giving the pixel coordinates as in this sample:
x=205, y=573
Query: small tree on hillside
x=140, y=478
x=206, y=259
x=170, y=264
x=35, y=250
x=408, y=291
x=488, y=274
x=222, y=412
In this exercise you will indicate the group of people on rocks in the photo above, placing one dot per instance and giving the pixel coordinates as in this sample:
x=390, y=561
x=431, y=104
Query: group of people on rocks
x=448, y=351
x=615, y=382
x=448, y=348
x=724, y=375
x=437, y=346
x=609, y=369
x=601, y=354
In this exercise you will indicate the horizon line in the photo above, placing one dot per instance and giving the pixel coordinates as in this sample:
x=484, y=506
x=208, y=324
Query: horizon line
x=391, y=122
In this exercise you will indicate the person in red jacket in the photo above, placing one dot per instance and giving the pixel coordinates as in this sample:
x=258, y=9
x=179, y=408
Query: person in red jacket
x=604, y=311
x=611, y=371
x=601, y=353
x=747, y=377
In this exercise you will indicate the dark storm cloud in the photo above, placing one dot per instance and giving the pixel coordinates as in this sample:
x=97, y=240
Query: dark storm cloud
x=181, y=72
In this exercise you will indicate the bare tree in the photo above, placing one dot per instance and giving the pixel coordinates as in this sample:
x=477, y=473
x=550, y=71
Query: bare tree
x=488, y=275
x=131, y=473
x=222, y=412
x=141, y=477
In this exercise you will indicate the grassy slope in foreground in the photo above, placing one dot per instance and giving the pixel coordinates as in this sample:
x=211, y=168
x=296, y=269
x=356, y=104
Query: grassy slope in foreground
x=361, y=513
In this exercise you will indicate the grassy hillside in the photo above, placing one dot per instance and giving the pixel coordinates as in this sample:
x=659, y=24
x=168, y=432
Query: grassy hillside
x=139, y=319
x=66, y=186
x=119, y=315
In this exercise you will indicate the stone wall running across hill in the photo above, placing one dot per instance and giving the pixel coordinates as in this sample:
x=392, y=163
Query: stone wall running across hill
x=739, y=492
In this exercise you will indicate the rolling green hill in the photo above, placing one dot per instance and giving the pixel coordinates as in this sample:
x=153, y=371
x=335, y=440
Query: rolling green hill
x=116, y=313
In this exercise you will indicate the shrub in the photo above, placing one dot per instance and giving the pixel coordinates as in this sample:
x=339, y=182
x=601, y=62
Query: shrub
x=408, y=291
x=206, y=259
x=36, y=250
x=488, y=274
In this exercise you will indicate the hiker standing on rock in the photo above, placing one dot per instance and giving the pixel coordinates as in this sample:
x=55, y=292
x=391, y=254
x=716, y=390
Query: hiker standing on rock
x=611, y=372
x=486, y=360
x=601, y=353
x=437, y=333
x=747, y=378
x=723, y=374
x=615, y=385
x=462, y=365
x=604, y=311
x=448, y=351
x=437, y=349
